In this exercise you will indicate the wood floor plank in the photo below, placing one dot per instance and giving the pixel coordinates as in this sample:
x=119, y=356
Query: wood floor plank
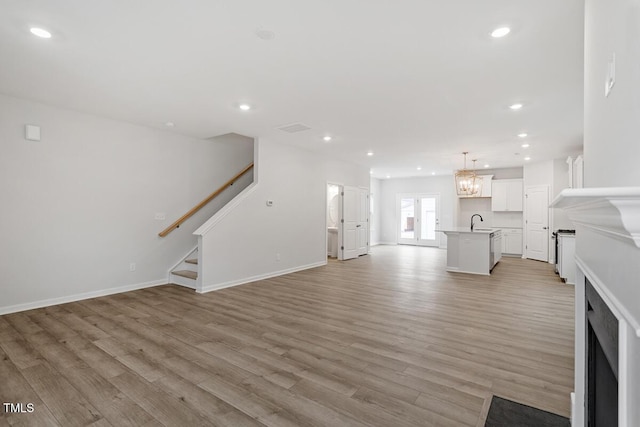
x=66, y=403
x=162, y=406
x=391, y=338
x=206, y=404
x=14, y=388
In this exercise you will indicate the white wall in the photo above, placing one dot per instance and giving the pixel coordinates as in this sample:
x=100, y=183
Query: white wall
x=78, y=206
x=611, y=147
x=443, y=185
x=244, y=245
x=375, y=220
x=559, y=218
x=611, y=151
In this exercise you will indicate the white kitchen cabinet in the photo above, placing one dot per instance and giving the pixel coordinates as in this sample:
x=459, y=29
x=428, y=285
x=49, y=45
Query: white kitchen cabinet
x=506, y=195
x=512, y=241
x=566, y=258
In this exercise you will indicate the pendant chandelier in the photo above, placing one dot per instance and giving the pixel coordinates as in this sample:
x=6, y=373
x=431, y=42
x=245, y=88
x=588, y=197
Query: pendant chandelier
x=468, y=183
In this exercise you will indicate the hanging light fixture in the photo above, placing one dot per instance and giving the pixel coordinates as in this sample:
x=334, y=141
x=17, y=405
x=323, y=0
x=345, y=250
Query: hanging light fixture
x=468, y=183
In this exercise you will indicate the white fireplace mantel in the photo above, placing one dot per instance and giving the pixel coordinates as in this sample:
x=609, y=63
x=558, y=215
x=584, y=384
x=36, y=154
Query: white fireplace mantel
x=610, y=210
x=604, y=214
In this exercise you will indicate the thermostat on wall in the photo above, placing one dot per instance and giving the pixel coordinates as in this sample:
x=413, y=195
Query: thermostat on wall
x=32, y=132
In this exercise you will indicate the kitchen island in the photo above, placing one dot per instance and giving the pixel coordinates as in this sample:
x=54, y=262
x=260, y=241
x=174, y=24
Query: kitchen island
x=475, y=252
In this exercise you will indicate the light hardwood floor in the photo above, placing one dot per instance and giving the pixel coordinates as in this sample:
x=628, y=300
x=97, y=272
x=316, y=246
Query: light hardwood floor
x=388, y=339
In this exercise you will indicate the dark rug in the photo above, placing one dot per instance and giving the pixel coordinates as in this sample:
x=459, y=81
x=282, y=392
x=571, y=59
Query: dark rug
x=507, y=413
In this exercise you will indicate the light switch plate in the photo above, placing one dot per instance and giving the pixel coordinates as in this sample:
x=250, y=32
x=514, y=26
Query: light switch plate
x=32, y=132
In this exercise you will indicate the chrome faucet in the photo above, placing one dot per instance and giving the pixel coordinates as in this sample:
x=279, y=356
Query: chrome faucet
x=481, y=220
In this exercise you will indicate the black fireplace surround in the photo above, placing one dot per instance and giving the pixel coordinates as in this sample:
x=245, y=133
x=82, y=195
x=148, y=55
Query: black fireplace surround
x=601, y=382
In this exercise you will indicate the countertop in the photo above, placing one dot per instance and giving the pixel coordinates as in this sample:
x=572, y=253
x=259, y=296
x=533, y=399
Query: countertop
x=478, y=230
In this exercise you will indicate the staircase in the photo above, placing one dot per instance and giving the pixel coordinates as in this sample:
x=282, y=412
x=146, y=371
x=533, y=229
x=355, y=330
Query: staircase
x=186, y=272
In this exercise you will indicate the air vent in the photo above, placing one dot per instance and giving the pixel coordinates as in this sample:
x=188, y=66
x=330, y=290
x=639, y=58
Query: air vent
x=294, y=127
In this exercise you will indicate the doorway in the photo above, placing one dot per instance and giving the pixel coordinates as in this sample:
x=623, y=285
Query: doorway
x=537, y=223
x=347, y=221
x=418, y=219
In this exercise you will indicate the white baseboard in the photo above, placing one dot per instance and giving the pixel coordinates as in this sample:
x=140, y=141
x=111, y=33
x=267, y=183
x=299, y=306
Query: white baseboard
x=231, y=283
x=77, y=297
x=388, y=243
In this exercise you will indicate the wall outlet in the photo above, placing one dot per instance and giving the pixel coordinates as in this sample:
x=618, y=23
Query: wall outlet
x=132, y=266
x=32, y=132
x=277, y=257
x=160, y=216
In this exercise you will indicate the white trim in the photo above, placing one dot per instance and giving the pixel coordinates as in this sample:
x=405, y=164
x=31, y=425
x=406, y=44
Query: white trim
x=226, y=209
x=78, y=297
x=388, y=243
x=613, y=303
x=612, y=211
x=573, y=409
x=245, y=280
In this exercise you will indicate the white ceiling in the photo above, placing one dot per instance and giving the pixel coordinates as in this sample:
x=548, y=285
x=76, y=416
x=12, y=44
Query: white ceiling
x=415, y=81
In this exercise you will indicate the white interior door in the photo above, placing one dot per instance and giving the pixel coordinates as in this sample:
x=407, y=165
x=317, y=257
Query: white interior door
x=428, y=219
x=362, y=227
x=537, y=223
x=349, y=224
x=418, y=219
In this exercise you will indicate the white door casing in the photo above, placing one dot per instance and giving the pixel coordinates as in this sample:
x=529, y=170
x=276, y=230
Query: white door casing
x=362, y=227
x=537, y=223
x=349, y=224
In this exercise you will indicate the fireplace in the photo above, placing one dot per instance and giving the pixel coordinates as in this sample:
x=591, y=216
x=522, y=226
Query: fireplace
x=601, y=381
x=607, y=310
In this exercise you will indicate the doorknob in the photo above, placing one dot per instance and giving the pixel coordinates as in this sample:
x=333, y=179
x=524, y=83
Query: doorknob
x=544, y=228
x=359, y=225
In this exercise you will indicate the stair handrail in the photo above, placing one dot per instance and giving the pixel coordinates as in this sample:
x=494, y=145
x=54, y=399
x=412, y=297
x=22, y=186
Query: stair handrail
x=204, y=202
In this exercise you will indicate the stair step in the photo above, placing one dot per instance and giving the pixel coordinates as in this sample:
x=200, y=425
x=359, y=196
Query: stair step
x=186, y=273
x=192, y=261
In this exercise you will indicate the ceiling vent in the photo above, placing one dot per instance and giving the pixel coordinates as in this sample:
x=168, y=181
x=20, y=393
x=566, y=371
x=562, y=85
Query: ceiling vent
x=294, y=127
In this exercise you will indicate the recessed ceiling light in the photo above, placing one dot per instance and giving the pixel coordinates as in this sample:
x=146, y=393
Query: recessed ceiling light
x=388, y=176
x=327, y=138
x=419, y=168
x=486, y=166
x=370, y=172
x=522, y=135
x=169, y=124
x=500, y=32
x=245, y=107
x=515, y=106
x=370, y=153
x=525, y=145
x=527, y=158
x=433, y=173
x=40, y=32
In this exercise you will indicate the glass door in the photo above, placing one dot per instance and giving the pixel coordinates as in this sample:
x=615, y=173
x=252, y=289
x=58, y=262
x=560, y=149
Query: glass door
x=419, y=219
x=407, y=232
